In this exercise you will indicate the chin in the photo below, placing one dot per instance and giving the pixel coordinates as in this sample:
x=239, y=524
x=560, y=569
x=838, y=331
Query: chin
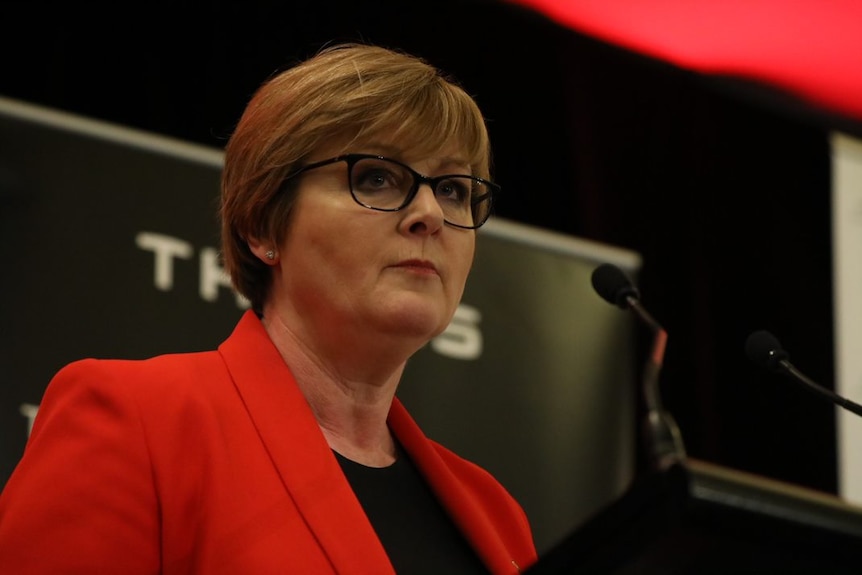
x=420, y=322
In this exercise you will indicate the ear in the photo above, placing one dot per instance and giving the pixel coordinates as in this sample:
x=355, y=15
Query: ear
x=264, y=251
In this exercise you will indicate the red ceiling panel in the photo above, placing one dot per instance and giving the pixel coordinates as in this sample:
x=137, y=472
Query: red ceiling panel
x=811, y=49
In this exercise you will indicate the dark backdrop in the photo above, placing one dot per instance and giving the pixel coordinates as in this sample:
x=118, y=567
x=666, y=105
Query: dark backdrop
x=723, y=189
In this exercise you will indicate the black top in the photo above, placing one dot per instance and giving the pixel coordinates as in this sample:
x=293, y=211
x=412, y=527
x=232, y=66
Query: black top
x=417, y=533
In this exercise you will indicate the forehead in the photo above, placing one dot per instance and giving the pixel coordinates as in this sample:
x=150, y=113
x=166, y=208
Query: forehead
x=399, y=148
x=449, y=157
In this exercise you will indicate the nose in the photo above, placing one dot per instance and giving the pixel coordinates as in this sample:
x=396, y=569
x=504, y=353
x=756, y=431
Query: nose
x=423, y=215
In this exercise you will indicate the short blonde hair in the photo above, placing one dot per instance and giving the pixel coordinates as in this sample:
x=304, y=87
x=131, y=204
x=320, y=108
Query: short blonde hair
x=346, y=92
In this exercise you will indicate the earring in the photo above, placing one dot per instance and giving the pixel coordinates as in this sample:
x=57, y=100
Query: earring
x=270, y=255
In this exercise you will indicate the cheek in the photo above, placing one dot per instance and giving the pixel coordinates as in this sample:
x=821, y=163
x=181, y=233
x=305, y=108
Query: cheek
x=339, y=255
x=321, y=228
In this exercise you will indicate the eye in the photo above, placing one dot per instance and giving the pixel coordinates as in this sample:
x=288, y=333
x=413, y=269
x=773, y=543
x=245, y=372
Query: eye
x=375, y=176
x=455, y=189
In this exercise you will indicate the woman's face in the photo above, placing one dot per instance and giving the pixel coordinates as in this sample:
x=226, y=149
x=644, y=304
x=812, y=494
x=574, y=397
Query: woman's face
x=369, y=273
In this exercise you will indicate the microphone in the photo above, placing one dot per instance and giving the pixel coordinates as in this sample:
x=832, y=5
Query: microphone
x=764, y=349
x=663, y=439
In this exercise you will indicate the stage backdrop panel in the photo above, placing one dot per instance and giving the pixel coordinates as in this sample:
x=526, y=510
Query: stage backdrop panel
x=109, y=240
x=847, y=310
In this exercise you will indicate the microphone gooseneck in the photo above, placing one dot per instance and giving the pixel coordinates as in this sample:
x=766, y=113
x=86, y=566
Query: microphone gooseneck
x=663, y=439
x=763, y=349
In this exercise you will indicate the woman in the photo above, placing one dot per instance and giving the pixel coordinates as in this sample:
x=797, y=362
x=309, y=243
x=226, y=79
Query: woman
x=351, y=191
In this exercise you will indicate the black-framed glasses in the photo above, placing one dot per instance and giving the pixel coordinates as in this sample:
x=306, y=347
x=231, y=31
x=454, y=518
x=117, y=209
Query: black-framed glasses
x=387, y=185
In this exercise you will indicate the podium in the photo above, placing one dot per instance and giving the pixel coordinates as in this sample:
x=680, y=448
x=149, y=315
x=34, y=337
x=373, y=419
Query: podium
x=696, y=518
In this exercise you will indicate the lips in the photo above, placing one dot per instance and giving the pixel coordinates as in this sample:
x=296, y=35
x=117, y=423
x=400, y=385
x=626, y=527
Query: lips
x=418, y=265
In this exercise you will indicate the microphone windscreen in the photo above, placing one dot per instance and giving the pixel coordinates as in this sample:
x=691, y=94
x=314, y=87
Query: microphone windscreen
x=763, y=348
x=613, y=285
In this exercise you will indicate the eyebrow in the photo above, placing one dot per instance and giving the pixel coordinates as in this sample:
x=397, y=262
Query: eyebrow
x=396, y=153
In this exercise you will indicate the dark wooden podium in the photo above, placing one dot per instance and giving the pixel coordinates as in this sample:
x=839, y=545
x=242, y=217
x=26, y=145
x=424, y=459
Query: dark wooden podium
x=696, y=518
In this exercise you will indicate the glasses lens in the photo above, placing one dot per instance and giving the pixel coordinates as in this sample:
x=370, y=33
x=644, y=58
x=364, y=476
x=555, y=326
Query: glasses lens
x=466, y=201
x=380, y=184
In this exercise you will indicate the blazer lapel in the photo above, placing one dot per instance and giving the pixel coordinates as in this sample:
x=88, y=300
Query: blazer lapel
x=299, y=451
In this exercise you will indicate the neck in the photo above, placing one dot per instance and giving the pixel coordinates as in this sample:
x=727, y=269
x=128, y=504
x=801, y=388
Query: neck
x=350, y=404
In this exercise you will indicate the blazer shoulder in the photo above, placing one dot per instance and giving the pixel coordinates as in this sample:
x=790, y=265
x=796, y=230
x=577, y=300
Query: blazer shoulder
x=170, y=373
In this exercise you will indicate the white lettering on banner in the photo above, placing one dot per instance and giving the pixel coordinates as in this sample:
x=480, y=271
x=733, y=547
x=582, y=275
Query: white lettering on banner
x=166, y=249
x=29, y=411
x=462, y=338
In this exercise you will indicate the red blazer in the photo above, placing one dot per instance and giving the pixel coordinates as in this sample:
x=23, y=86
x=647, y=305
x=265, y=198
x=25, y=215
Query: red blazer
x=212, y=463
